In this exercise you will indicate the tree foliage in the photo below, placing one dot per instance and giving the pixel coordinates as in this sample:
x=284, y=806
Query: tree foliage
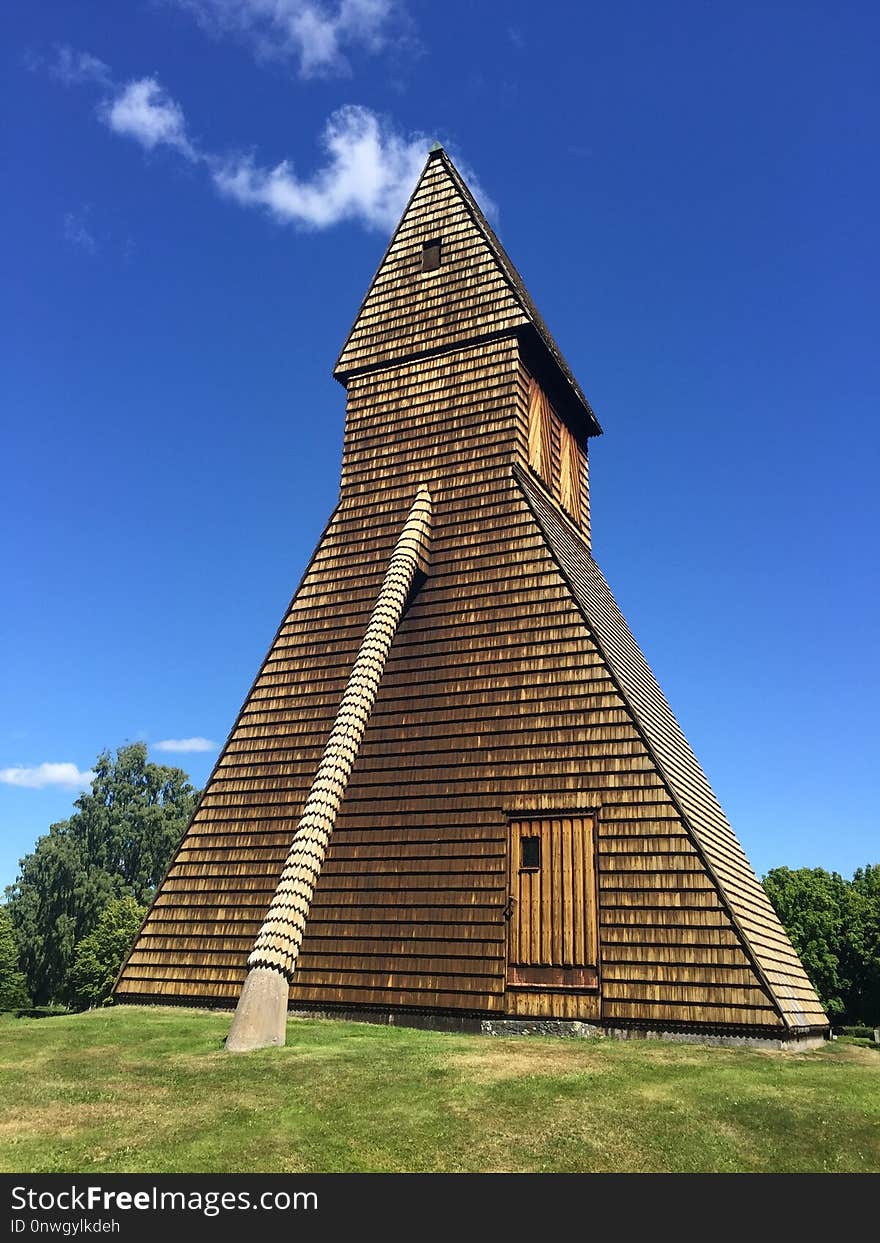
x=13, y=986
x=98, y=957
x=834, y=925
x=118, y=843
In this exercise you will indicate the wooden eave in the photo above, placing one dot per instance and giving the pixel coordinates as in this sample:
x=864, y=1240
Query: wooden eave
x=566, y=392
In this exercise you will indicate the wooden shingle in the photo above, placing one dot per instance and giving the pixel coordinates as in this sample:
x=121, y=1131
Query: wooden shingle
x=513, y=703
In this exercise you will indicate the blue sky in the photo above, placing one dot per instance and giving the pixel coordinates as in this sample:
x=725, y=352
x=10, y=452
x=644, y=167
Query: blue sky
x=197, y=193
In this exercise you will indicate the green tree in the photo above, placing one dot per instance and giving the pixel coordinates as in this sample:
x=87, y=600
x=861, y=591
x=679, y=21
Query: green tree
x=55, y=900
x=834, y=925
x=866, y=919
x=98, y=957
x=118, y=843
x=13, y=986
x=132, y=819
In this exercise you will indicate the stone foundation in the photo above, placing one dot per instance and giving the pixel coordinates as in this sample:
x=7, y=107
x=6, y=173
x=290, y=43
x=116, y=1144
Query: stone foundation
x=571, y=1029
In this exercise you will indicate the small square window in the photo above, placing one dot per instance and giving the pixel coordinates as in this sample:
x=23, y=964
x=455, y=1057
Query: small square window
x=530, y=858
x=431, y=255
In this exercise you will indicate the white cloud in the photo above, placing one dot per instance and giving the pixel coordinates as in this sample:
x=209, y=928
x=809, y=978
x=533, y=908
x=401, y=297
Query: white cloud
x=74, y=68
x=316, y=33
x=143, y=110
x=76, y=233
x=182, y=745
x=368, y=175
x=368, y=172
x=37, y=778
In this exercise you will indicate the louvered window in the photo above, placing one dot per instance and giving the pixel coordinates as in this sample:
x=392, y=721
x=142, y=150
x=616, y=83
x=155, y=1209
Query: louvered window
x=540, y=433
x=571, y=473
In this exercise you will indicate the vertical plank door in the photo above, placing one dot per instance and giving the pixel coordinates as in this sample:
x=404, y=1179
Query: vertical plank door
x=552, y=926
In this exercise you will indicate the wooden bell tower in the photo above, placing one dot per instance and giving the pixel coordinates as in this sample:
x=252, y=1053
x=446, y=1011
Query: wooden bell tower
x=524, y=831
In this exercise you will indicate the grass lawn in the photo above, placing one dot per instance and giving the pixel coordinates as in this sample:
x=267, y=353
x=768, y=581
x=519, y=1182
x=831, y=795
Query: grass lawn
x=151, y=1090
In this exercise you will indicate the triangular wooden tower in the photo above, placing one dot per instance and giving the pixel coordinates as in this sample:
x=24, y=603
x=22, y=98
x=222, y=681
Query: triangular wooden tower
x=526, y=832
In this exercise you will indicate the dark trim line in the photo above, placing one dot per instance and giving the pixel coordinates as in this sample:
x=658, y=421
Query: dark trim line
x=416, y=356
x=446, y=1019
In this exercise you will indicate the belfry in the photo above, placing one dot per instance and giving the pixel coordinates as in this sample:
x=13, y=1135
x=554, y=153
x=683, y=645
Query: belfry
x=455, y=792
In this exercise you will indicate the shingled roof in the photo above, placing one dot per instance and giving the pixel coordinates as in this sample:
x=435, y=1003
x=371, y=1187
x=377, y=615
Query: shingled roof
x=530, y=318
x=763, y=937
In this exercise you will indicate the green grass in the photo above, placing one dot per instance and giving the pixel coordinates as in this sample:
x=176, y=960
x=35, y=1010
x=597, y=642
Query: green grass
x=151, y=1090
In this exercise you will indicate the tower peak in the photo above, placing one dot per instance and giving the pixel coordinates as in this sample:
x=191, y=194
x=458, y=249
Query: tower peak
x=446, y=281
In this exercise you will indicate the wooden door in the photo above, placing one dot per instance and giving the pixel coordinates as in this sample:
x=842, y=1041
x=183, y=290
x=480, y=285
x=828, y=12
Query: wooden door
x=552, y=937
